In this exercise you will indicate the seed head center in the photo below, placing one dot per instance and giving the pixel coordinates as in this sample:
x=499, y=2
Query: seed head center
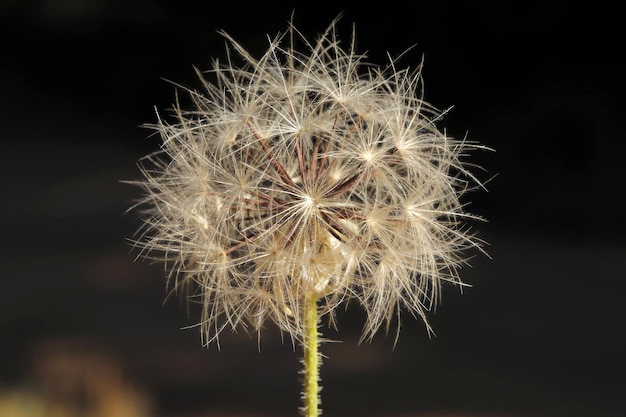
x=310, y=201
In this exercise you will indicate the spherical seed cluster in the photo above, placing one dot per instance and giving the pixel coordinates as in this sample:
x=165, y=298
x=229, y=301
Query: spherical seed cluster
x=306, y=173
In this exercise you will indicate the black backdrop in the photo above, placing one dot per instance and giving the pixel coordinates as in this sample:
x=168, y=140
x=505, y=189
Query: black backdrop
x=539, y=333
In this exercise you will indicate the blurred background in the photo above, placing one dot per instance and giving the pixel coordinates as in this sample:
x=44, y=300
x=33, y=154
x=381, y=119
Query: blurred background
x=85, y=331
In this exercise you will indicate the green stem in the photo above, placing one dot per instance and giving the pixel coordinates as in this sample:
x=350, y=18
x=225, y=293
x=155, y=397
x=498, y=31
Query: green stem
x=311, y=359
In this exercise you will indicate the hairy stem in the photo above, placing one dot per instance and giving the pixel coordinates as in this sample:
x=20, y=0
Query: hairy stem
x=311, y=359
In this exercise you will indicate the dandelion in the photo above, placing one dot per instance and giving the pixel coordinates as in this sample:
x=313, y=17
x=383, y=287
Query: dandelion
x=301, y=181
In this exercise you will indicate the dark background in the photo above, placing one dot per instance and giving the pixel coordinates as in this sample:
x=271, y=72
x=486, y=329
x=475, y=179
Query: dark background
x=541, y=332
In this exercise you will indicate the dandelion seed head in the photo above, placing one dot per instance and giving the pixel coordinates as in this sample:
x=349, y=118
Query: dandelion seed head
x=306, y=171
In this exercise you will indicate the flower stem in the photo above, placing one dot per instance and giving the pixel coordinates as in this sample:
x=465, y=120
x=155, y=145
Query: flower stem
x=311, y=359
